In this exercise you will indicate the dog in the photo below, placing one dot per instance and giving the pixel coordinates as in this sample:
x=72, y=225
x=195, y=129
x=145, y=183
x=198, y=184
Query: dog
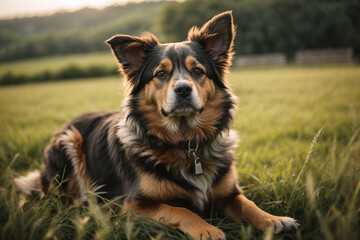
x=170, y=152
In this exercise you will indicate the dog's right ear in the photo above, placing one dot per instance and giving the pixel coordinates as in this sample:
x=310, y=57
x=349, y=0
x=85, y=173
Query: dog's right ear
x=130, y=51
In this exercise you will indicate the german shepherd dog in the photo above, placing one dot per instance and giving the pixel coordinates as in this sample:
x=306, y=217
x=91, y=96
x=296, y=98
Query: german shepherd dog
x=170, y=151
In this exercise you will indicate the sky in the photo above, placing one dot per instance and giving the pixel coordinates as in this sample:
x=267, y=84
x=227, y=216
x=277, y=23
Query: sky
x=26, y=8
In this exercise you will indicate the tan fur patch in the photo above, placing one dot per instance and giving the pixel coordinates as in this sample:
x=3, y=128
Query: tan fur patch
x=161, y=189
x=173, y=157
x=72, y=142
x=191, y=63
x=226, y=185
x=165, y=65
x=176, y=217
x=211, y=115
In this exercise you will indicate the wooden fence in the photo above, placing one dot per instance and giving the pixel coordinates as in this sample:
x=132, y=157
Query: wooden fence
x=302, y=57
x=274, y=59
x=305, y=57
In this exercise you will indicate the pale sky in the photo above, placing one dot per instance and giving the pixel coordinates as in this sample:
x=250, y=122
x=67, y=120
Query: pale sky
x=21, y=8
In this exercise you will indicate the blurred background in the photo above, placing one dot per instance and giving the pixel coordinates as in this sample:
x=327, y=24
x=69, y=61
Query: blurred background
x=269, y=32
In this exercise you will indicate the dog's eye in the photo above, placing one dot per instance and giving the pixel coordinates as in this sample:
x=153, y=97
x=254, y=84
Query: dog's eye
x=161, y=74
x=198, y=72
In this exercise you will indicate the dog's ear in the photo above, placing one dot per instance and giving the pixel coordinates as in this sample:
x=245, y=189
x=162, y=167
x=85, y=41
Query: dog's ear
x=217, y=37
x=130, y=51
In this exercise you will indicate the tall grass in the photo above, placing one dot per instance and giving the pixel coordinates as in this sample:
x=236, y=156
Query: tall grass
x=299, y=155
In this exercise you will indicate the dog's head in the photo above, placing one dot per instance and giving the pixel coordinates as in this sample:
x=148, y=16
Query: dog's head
x=178, y=91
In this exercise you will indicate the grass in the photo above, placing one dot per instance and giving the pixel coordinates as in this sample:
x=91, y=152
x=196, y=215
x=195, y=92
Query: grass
x=299, y=155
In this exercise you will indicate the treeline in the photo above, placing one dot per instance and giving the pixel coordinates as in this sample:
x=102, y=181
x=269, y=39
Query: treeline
x=69, y=72
x=265, y=26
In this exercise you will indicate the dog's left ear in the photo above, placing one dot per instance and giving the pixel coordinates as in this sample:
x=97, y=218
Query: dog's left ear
x=217, y=36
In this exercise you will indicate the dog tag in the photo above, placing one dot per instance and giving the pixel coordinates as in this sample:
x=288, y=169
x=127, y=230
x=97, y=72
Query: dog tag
x=198, y=168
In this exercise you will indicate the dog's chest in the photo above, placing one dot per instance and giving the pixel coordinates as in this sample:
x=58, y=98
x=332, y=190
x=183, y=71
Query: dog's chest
x=202, y=184
x=171, y=174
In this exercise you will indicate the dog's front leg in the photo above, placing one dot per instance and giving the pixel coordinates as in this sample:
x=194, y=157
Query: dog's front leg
x=242, y=209
x=176, y=217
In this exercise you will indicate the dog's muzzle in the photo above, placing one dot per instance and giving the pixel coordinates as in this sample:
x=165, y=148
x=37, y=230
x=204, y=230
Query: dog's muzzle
x=183, y=89
x=183, y=100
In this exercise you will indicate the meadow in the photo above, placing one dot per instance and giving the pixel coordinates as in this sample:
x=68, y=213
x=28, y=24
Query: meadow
x=299, y=155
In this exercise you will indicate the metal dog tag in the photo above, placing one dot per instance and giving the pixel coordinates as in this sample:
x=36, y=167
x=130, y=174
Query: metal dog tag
x=198, y=168
x=192, y=154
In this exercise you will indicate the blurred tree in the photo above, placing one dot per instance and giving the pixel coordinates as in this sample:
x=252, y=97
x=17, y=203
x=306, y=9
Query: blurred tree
x=262, y=26
x=273, y=25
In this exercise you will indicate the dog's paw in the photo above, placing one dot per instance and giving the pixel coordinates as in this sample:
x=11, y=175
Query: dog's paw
x=207, y=233
x=284, y=224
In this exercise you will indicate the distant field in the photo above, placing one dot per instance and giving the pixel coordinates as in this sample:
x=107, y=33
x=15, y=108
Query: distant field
x=37, y=65
x=299, y=154
x=51, y=69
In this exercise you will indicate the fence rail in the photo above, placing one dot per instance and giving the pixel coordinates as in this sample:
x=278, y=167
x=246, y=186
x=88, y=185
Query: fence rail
x=305, y=57
x=274, y=59
x=302, y=57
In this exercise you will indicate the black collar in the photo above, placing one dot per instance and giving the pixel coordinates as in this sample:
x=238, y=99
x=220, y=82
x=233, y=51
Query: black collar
x=156, y=143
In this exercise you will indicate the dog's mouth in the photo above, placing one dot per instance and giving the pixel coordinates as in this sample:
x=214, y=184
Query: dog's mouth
x=182, y=109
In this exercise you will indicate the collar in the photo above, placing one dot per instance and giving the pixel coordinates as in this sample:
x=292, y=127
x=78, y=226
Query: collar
x=156, y=143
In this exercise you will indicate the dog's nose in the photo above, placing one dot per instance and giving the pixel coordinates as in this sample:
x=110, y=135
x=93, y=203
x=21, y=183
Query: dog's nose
x=183, y=89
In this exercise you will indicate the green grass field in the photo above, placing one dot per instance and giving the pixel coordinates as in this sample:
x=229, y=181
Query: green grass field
x=299, y=155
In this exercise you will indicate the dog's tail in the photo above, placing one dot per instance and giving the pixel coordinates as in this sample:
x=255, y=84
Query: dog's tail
x=30, y=184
